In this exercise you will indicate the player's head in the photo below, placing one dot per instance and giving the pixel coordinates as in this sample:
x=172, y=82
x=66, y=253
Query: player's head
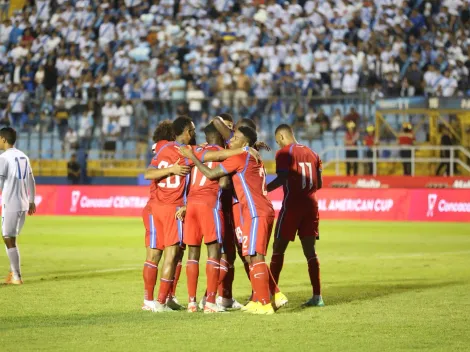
x=184, y=130
x=243, y=136
x=245, y=122
x=213, y=136
x=284, y=135
x=228, y=119
x=7, y=137
x=164, y=132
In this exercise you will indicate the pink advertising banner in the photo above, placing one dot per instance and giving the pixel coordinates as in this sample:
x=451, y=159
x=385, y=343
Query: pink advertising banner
x=348, y=204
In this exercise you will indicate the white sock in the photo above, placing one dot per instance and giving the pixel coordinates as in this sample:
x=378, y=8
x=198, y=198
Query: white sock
x=6, y=250
x=14, y=256
x=317, y=296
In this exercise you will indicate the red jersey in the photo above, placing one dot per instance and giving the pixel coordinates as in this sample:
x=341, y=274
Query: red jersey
x=406, y=138
x=202, y=190
x=369, y=140
x=301, y=164
x=170, y=190
x=249, y=183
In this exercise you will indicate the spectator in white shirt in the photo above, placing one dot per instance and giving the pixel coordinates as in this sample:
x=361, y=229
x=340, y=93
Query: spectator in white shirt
x=125, y=112
x=70, y=142
x=350, y=82
x=195, y=97
x=107, y=32
x=16, y=104
x=447, y=86
x=85, y=127
x=109, y=111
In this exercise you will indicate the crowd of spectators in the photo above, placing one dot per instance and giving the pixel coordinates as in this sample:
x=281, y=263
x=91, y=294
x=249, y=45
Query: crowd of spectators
x=117, y=63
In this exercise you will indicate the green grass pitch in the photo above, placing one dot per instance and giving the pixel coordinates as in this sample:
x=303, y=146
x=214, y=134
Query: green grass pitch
x=387, y=286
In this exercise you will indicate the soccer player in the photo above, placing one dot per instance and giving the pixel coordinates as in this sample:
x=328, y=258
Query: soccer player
x=18, y=192
x=203, y=217
x=170, y=196
x=233, y=216
x=299, y=172
x=162, y=135
x=250, y=186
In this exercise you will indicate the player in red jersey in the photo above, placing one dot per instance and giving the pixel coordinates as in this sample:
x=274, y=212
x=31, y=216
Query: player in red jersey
x=162, y=135
x=299, y=172
x=203, y=218
x=168, y=195
x=232, y=211
x=250, y=185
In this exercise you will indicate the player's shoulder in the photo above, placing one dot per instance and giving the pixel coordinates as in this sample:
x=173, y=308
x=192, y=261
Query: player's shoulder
x=212, y=147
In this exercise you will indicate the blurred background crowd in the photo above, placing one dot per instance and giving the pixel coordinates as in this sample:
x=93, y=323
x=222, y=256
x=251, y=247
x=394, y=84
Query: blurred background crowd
x=91, y=72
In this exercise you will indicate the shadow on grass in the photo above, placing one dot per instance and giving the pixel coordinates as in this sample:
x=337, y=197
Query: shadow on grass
x=343, y=294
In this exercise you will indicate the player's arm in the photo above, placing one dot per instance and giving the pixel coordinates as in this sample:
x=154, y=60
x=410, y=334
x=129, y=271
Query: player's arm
x=279, y=181
x=223, y=129
x=211, y=174
x=152, y=173
x=221, y=155
x=225, y=183
x=3, y=172
x=319, y=176
x=32, y=192
x=283, y=163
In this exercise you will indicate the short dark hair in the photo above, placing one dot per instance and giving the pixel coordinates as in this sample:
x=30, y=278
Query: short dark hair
x=249, y=134
x=164, y=132
x=248, y=123
x=180, y=124
x=226, y=117
x=9, y=134
x=284, y=127
x=210, y=129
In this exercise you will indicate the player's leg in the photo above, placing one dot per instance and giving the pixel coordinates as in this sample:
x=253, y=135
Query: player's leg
x=150, y=273
x=255, y=248
x=308, y=246
x=172, y=236
x=166, y=279
x=285, y=231
x=192, y=274
x=179, y=266
x=152, y=259
x=212, y=274
x=277, y=261
x=12, y=223
x=308, y=233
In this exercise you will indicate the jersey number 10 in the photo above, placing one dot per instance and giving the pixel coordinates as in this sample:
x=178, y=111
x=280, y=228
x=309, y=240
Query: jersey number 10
x=304, y=167
x=21, y=174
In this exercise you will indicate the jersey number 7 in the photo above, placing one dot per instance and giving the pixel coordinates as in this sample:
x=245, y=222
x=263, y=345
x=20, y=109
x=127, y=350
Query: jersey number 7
x=18, y=164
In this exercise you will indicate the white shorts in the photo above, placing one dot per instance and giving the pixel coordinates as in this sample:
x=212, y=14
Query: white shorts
x=12, y=223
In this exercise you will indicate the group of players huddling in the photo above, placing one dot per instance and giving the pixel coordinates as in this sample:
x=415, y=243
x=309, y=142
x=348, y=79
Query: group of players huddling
x=216, y=192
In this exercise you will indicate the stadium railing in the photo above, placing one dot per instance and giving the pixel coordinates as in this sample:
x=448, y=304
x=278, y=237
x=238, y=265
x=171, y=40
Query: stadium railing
x=335, y=157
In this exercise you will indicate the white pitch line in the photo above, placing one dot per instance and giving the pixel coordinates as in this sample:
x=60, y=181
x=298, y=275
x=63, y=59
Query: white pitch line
x=322, y=258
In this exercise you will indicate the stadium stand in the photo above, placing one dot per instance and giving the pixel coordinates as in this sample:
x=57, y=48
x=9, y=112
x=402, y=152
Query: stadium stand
x=78, y=74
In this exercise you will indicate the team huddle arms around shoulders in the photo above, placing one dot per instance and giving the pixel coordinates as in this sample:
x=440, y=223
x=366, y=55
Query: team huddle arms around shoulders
x=216, y=193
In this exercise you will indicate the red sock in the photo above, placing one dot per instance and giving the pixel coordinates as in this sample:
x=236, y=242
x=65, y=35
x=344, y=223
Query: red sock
x=192, y=274
x=314, y=273
x=212, y=273
x=150, y=279
x=176, y=278
x=277, y=260
x=260, y=281
x=224, y=265
x=225, y=288
x=253, y=292
x=164, y=290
